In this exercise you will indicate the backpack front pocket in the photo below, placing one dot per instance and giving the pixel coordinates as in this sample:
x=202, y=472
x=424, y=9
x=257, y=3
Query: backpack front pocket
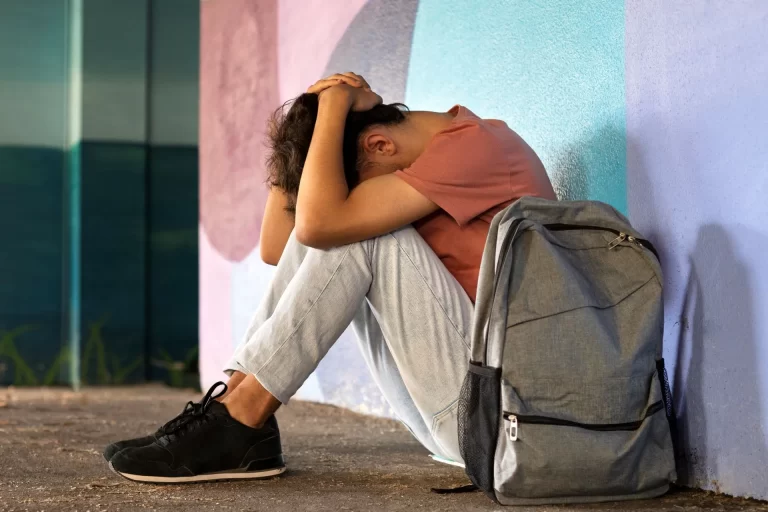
x=551, y=445
x=513, y=422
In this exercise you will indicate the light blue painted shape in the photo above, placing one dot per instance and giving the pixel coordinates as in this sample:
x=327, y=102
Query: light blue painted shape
x=697, y=148
x=554, y=71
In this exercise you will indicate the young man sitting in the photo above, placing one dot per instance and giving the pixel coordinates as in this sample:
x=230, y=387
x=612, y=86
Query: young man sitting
x=377, y=217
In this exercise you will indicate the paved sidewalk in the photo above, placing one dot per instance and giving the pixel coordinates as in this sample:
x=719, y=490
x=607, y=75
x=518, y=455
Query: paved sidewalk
x=51, y=442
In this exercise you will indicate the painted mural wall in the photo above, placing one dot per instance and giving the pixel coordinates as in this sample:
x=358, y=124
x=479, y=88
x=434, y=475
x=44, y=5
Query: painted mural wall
x=658, y=108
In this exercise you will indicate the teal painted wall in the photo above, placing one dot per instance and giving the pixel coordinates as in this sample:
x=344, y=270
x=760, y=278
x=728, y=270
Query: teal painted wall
x=33, y=152
x=137, y=160
x=172, y=200
x=140, y=182
x=173, y=269
x=30, y=262
x=114, y=204
x=34, y=47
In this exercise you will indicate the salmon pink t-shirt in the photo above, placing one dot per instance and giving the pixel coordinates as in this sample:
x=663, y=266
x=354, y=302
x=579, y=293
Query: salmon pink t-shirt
x=472, y=170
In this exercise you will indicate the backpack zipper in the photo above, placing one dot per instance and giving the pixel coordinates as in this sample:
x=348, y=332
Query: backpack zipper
x=620, y=235
x=515, y=420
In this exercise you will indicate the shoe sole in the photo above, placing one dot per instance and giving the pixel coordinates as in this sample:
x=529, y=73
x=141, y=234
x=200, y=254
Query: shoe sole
x=209, y=477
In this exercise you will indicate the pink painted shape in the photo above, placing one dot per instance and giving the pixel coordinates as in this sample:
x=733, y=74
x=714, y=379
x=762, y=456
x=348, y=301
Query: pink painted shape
x=238, y=92
x=239, y=62
x=307, y=36
x=215, y=312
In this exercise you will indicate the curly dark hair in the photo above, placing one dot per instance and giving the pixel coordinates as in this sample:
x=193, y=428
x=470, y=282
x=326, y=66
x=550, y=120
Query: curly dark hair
x=290, y=132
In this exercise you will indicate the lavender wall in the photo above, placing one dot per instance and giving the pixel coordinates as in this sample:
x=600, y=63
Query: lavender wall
x=697, y=177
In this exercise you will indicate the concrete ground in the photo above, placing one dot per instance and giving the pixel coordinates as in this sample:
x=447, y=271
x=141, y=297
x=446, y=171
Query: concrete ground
x=51, y=442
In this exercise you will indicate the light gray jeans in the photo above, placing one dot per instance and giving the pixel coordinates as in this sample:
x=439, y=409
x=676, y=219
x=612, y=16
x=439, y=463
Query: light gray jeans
x=411, y=316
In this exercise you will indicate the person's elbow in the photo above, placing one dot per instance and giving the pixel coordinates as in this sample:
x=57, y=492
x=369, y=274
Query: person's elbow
x=270, y=255
x=313, y=233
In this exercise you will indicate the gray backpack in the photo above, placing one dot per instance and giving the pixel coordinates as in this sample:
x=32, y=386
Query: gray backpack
x=566, y=398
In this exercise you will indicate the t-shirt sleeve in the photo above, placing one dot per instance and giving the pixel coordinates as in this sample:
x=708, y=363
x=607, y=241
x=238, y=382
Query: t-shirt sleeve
x=457, y=172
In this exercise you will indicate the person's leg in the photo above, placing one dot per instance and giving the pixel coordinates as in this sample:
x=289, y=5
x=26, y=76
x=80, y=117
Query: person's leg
x=380, y=362
x=373, y=348
x=423, y=312
x=290, y=261
x=424, y=317
x=292, y=257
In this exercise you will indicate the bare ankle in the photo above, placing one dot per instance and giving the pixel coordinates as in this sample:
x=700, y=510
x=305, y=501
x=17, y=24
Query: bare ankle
x=250, y=403
x=234, y=380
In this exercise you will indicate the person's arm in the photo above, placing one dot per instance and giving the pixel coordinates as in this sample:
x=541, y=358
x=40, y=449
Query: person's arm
x=327, y=213
x=276, y=227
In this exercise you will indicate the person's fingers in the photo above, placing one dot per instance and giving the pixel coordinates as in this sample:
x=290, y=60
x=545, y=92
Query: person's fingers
x=359, y=78
x=325, y=83
x=322, y=85
x=350, y=79
x=350, y=74
x=338, y=78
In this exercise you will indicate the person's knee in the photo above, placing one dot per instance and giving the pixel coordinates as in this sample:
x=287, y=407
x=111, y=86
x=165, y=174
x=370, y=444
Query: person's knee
x=294, y=250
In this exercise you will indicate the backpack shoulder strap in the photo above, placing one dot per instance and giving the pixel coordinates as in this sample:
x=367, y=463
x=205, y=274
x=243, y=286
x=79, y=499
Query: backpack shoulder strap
x=495, y=268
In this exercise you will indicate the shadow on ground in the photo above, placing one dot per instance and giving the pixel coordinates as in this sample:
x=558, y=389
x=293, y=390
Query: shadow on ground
x=51, y=442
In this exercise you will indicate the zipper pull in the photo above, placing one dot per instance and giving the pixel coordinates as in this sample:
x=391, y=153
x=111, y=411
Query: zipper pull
x=512, y=428
x=616, y=241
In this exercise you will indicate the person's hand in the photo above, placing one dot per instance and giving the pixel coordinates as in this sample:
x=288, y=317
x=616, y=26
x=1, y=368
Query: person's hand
x=351, y=87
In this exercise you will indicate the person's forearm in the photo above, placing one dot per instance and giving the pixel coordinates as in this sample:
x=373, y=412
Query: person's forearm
x=276, y=227
x=323, y=188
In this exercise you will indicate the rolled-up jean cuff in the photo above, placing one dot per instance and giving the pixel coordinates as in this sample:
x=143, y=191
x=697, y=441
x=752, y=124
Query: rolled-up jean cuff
x=233, y=365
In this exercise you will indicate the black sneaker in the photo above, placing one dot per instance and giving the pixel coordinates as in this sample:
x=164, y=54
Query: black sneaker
x=138, y=442
x=205, y=445
x=189, y=409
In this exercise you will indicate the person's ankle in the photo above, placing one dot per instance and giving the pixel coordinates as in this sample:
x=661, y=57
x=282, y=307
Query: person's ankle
x=243, y=415
x=250, y=403
x=234, y=380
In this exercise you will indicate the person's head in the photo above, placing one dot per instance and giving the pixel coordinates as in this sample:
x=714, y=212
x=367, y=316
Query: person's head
x=375, y=142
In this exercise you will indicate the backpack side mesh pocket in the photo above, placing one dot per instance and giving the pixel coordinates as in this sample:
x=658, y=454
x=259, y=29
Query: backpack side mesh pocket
x=478, y=415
